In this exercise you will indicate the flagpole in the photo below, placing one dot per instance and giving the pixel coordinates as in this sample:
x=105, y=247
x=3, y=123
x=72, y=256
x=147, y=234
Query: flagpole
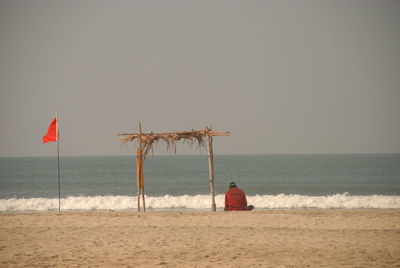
x=58, y=166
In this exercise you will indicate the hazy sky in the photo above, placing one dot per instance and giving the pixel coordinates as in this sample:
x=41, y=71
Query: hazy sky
x=282, y=76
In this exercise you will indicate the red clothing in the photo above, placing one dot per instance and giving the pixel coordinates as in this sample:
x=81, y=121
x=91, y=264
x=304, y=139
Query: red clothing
x=235, y=199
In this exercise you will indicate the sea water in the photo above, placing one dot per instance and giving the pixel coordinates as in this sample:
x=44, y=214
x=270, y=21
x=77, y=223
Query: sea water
x=176, y=182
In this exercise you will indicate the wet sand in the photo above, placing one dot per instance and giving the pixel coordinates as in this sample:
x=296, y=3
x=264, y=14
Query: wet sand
x=275, y=238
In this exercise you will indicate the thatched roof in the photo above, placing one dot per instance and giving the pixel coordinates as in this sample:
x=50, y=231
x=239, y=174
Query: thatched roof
x=146, y=141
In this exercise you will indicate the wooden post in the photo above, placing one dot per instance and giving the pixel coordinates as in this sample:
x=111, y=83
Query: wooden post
x=142, y=183
x=140, y=171
x=211, y=169
x=138, y=156
x=138, y=166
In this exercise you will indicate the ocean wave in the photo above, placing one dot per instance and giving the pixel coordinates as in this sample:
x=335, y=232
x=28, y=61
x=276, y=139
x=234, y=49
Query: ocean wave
x=199, y=202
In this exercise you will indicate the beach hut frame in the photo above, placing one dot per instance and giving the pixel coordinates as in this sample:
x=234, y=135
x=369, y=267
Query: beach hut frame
x=145, y=142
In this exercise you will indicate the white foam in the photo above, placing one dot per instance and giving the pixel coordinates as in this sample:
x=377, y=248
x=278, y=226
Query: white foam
x=199, y=202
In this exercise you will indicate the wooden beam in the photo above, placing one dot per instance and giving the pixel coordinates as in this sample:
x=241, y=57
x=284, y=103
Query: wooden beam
x=196, y=132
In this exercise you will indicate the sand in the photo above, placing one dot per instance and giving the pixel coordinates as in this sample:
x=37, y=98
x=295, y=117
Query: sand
x=277, y=238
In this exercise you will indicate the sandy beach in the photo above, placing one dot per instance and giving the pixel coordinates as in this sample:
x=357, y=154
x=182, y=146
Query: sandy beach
x=277, y=238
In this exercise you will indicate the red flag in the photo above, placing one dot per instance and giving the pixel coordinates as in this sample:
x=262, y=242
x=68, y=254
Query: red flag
x=52, y=133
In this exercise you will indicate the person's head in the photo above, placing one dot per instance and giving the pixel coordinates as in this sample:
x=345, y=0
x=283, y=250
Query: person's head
x=232, y=184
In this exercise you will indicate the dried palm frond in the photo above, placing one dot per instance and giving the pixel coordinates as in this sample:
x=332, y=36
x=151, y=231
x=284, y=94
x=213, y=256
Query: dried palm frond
x=146, y=141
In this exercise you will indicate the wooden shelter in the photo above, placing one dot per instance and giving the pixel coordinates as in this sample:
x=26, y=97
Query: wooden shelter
x=145, y=142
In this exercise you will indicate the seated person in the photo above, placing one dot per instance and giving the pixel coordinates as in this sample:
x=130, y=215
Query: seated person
x=235, y=199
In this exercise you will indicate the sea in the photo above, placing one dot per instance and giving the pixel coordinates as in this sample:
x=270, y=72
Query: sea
x=181, y=182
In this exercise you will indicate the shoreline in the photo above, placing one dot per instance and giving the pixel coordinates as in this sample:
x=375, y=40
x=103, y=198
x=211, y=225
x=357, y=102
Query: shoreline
x=181, y=210
x=264, y=238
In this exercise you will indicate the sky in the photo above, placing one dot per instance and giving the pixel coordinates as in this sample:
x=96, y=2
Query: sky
x=284, y=77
